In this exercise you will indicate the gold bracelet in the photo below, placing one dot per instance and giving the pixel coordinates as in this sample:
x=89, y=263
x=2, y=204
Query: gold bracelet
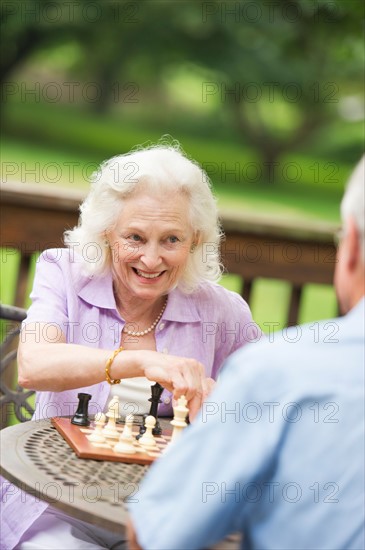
x=109, y=364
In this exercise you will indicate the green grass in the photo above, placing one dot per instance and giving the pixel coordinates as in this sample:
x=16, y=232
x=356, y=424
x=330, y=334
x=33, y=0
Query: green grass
x=43, y=164
x=307, y=187
x=303, y=204
x=33, y=163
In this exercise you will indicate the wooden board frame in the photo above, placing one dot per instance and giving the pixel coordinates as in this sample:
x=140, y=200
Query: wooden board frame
x=76, y=437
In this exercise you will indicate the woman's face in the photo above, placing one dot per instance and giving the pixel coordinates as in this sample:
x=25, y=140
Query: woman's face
x=150, y=244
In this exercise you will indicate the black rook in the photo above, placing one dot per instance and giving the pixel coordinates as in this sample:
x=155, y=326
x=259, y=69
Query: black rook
x=80, y=417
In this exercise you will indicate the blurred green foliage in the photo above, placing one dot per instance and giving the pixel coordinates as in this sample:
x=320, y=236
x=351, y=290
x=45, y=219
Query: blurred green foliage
x=271, y=78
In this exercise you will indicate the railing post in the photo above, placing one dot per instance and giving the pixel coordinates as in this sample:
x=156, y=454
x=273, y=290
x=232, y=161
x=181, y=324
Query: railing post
x=296, y=294
x=22, y=280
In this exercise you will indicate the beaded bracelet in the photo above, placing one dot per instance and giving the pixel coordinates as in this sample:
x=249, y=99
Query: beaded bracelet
x=109, y=364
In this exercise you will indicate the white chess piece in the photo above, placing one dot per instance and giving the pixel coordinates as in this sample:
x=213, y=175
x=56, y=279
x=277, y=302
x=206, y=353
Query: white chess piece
x=126, y=441
x=147, y=440
x=97, y=436
x=179, y=421
x=128, y=426
x=110, y=429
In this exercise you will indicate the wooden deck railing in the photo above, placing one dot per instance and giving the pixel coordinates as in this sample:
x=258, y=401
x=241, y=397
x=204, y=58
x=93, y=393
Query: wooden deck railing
x=34, y=217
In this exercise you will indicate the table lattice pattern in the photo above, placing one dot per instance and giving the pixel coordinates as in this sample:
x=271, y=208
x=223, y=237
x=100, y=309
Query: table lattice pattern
x=51, y=453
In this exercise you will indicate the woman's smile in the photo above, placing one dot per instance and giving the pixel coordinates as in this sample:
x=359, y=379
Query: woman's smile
x=148, y=277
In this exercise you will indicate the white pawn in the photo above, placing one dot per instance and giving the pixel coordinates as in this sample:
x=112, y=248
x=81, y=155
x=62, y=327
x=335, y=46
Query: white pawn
x=147, y=440
x=110, y=429
x=179, y=421
x=126, y=441
x=97, y=436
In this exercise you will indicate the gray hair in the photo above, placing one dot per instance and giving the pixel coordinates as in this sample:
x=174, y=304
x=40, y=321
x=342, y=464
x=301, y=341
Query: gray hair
x=353, y=202
x=158, y=168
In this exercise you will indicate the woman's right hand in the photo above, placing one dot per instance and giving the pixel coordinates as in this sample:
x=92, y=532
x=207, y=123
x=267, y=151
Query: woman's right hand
x=179, y=375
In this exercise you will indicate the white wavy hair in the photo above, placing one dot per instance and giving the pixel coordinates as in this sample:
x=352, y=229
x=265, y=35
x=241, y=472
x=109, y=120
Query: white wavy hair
x=157, y=168
x=353, y=202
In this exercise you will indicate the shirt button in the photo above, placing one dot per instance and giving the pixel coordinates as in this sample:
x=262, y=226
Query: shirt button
x=165, y=350
x=161, y=326
x=167, y=401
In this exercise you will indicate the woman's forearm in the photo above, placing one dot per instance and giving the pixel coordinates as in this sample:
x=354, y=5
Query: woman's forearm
x=61, y=366
x=55, y=365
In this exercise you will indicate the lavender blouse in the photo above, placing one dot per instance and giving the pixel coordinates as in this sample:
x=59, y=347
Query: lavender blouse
x=208, y=325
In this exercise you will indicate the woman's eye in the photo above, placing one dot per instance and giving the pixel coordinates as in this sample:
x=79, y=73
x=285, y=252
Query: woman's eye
x=173, y=239
x=134, y=238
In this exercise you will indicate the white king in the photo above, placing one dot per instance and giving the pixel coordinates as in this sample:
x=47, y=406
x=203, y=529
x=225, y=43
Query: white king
x=180, y=414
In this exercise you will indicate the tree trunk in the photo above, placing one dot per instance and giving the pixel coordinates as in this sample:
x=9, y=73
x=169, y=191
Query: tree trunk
x=270, y=165
x=27, y=43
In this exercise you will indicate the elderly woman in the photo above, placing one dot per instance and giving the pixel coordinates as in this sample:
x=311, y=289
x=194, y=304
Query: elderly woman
x=131, y=301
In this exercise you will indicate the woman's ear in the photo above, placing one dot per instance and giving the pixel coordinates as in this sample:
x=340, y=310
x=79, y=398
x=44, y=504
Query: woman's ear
x=197, y=239
x=106, y=238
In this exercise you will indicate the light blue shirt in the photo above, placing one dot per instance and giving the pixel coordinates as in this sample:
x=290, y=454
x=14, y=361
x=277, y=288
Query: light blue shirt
x=277, y=453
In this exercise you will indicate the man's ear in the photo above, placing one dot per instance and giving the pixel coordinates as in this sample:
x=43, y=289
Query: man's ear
x=353, y=246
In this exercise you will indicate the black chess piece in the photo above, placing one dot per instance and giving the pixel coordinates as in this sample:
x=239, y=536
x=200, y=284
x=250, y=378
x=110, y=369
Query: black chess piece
x=80, y=417
x=156, y=391
x=142, y=427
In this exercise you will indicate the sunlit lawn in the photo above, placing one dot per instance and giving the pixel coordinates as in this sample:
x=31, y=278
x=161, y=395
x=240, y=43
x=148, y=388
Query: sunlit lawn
x=32, y=163
x=69, y=143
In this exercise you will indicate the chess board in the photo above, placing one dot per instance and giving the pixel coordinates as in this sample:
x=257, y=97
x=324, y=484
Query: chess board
x=76, y=437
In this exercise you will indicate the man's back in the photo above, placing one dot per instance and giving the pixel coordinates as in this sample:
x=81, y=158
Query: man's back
x=288, y=466
x=315, y=493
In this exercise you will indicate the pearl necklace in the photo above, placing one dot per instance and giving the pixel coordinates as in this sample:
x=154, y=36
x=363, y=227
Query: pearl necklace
x=150, y=328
